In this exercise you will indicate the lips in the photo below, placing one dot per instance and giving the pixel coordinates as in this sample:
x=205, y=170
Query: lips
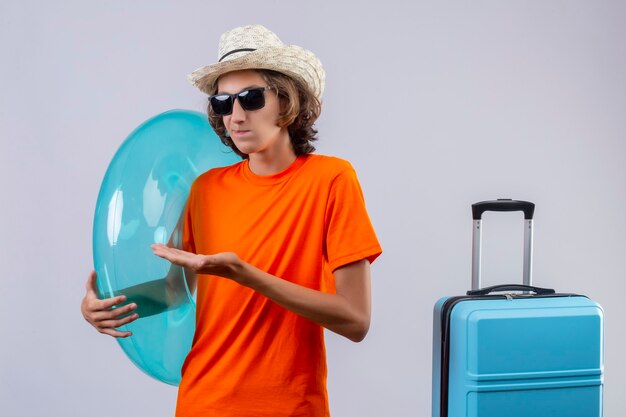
x=240, y=132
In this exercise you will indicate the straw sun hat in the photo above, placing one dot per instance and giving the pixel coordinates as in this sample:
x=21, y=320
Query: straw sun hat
x=256, y=47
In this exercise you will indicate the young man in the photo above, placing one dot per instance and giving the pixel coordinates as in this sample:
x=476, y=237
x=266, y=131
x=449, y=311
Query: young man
x=280, y=243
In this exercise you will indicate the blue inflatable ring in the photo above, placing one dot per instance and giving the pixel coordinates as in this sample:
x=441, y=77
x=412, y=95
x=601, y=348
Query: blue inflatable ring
x=141, y=199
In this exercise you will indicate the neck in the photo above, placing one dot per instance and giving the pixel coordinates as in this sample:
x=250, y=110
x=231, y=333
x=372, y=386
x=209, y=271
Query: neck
x=273, y=160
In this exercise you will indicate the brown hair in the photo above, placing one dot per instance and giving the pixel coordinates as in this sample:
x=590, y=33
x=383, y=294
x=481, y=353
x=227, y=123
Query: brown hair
x=299, y=109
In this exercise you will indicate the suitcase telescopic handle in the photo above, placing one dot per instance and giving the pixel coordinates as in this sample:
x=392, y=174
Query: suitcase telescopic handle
x=525, y=288
x=504, y=204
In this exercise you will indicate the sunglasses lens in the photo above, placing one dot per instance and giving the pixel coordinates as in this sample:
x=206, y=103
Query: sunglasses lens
x=222, y=105
x=252, y=99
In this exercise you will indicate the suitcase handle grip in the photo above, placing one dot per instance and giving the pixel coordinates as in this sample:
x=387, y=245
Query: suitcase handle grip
x=512, y=287
x=503, y=204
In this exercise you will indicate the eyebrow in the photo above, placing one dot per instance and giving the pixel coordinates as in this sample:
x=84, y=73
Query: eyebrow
x=245, y=88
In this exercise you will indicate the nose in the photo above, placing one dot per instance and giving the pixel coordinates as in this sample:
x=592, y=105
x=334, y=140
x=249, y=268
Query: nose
x=239, y=114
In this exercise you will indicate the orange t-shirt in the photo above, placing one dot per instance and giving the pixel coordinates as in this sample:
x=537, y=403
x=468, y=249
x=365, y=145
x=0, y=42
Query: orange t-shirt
x=250, y=356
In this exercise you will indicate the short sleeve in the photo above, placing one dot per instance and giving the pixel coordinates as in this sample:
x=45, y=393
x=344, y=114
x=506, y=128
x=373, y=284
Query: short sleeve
x=350, y=235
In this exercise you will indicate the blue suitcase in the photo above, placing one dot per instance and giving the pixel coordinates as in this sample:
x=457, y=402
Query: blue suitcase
x=527, y=352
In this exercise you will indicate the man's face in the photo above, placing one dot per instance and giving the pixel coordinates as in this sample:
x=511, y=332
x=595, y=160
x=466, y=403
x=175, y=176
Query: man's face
x=253, y=131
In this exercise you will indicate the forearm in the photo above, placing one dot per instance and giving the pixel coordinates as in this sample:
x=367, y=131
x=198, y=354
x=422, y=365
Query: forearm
x=335, y=312
x=347, y=312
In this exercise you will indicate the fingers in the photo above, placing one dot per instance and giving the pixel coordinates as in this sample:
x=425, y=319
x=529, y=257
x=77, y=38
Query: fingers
x=161, y=251
x=175, y=256
x=221, y=264
x=91, y=283
x=92, y=295
x=116, y=333
x=109, y=327
x=92, y=307
x=102, y=315
x=159, y=246
x=164, y=251
x=108, y=322
x=112, y=314
x=113, y=324
x=108, y=303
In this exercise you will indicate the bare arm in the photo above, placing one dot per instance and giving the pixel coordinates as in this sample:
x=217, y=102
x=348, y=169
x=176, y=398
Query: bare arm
x=346, y=313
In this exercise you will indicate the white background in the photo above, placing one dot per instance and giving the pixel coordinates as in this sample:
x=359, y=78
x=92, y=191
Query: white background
x=437, y=105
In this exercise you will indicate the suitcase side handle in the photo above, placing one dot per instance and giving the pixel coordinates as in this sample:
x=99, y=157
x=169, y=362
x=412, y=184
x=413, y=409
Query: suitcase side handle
x=513, y=287
x=503, y=204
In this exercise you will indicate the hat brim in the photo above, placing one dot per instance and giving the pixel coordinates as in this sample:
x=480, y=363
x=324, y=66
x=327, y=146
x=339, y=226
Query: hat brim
x=290, y=60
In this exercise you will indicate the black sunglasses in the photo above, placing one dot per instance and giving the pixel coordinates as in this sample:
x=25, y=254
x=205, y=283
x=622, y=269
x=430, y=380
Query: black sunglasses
x=250, y=99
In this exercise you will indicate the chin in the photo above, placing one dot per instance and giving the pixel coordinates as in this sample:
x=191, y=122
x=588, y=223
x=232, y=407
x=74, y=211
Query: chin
x=247, y=149
x=244, y=146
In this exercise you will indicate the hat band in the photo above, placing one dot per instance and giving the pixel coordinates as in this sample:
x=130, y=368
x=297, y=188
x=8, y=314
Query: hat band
x=236, y=50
